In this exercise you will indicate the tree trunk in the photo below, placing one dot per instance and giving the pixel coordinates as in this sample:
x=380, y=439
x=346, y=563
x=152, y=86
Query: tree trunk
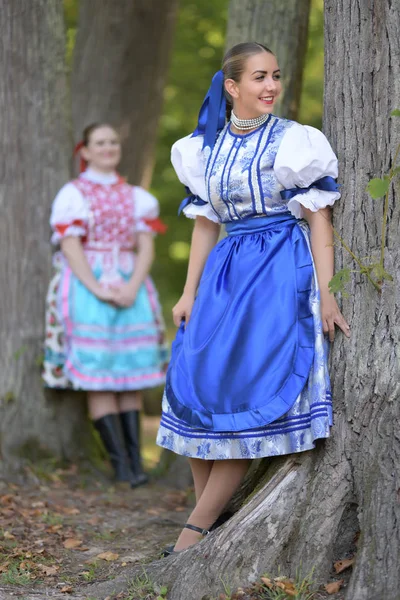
x=282, y=27
x=120, y=65
x=362, y=88
x=315, y=505
x=35, y=150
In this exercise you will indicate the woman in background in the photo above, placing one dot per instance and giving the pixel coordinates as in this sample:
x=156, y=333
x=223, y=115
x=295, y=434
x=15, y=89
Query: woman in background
x=104, y=328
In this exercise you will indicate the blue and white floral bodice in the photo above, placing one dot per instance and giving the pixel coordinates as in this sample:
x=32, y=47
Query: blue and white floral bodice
x=243, y=176
x=240, y=177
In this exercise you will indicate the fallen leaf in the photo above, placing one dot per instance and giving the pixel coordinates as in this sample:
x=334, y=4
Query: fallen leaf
x=342, y=565
x=72, y=511
x=8, y=536
x=72, y=543
x=180, y=509
x=287, y=587
x=38, y=504
x=94, y=521
x=54, y=528
x=67, y=589
x=334, y=587
x=4, y=567
x=154, y=511
x=108, y=556
x=49, y=570
x=266, y=581
x=124, y=564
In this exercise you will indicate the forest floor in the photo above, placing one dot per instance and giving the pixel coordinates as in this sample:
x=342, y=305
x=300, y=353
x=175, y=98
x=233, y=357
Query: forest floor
x=65, y=533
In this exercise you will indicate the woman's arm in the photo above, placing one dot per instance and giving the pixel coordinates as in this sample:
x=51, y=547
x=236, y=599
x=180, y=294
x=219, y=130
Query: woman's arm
x=125, y=294
x=322, y=250
x=205, y=236
x=73, y=251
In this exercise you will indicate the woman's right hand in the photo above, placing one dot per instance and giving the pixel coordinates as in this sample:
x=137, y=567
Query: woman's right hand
x=183, y=309
x=105, y=294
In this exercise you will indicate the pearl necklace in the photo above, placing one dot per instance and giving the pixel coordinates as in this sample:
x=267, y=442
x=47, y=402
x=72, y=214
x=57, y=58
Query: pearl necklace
x=245, y=124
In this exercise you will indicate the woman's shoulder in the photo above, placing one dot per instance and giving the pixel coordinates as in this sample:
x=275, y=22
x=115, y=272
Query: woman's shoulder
x=302, y=133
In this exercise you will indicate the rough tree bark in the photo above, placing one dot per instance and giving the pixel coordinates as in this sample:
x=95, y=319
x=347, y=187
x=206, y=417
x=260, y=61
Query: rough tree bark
x=120, y=65
x=314, y=505
x=35, y=149
x=281, y=26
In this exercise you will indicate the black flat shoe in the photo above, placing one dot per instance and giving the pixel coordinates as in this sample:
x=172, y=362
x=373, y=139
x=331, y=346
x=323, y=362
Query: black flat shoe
x=169, y=550
x=223, y=518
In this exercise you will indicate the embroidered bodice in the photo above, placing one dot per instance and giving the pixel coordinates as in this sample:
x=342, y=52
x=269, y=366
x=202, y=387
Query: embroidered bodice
x=240, y=177
x=274, y=169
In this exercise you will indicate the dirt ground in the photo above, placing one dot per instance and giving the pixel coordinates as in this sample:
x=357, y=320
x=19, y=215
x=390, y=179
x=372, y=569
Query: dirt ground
x=63, y=531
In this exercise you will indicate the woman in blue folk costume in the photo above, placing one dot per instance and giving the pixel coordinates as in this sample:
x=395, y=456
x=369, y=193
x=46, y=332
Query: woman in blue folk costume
x=248, y=376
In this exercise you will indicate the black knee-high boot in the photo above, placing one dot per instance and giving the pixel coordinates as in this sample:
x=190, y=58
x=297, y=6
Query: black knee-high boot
x=131, y=428
x=110, y=432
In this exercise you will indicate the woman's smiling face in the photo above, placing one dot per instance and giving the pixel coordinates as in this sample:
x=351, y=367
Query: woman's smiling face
x=259, y=86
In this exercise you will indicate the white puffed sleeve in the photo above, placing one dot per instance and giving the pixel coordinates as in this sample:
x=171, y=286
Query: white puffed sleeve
x=189, y=163
x=69, y=214
x=304, y=157
x=146, y=211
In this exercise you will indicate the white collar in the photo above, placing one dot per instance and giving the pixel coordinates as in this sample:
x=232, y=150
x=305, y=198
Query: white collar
x=96, y=177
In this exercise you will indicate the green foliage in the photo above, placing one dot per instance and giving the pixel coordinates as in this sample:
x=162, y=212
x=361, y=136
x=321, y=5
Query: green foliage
x=378, y=187
x=338, y=282
x=374, y=271
x=142, y=588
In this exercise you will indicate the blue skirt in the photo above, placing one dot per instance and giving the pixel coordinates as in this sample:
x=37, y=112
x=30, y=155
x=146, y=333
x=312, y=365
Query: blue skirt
x=248, y=377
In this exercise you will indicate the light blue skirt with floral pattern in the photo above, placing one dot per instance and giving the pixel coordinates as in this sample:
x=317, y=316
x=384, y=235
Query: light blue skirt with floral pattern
x=308, y=419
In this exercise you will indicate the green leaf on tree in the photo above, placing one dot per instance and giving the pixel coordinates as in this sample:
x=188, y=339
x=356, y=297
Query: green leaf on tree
x=380, y=273
x=395, y=113
x=396, y=171
x=378, y=187
x=338, y=282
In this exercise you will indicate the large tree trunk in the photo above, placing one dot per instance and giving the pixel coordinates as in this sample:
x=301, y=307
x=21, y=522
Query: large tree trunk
x=314, y=505
x=120, y=65
x=362, y=88
x=35, y=149
x=282, y=27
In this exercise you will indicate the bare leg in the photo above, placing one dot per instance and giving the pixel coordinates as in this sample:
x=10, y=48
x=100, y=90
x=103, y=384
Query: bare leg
x=201, y=470
x=224, y=480
x=129, y=401
x=101, y=404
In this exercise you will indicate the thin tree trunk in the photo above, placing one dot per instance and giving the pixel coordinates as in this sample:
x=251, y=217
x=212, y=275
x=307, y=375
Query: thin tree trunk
x=35, y=149
x=313, y=508
x=282, y=27
x=120, y=66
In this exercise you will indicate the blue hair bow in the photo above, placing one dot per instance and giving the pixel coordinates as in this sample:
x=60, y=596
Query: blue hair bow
x=212, y=111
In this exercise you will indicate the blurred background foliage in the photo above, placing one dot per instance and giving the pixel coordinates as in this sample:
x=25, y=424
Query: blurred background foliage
x=196, y=54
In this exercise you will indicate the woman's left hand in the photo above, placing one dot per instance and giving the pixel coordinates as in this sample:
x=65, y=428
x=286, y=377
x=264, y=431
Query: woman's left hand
x=331, y=315
x=124, y=295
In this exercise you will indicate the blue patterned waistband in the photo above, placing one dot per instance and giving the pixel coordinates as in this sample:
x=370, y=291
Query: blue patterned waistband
x=259, y=224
